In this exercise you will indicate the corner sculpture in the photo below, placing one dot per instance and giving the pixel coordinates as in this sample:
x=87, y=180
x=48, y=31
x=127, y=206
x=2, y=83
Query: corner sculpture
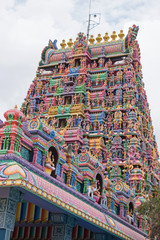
x=80, y=155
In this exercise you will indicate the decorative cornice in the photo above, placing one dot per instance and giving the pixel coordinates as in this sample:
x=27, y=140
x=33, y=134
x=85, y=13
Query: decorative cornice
x=42, y=174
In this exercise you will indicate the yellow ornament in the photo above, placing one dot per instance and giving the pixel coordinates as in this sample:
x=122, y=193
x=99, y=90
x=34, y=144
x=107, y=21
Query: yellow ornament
x=121, y=35
x=91, y=40
x=106, y=37
x=99, y=38
x=63, y=44
x=114, y=36
x=70, y=43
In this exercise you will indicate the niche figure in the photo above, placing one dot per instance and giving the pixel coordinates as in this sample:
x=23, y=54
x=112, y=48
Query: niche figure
x=49, y=162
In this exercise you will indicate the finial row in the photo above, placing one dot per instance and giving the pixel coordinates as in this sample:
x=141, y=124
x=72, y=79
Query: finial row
x=98, y=38
x=106, y=37
x=69, y=43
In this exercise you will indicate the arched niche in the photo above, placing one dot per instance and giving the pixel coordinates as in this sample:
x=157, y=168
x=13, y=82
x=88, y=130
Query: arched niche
x=99, y=184
x=130, y=209
x=52, y=158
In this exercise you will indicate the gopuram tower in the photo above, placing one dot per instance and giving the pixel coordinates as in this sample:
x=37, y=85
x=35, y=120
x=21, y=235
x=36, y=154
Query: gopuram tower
x=83, y=143
x=93, y=95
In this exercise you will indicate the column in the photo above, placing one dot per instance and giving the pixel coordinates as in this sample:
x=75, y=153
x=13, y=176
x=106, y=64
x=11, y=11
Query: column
x=35, y=150
x=121, y=210
x=62, y=226
x=135, y=220
x=1, y=140
x=75, y=182
x=13, y=140
x=68, y=180
x=85, y=185
x=8, y=206
x=43, y=159
x=140, y=222
x=102, y=236
x=62, y=169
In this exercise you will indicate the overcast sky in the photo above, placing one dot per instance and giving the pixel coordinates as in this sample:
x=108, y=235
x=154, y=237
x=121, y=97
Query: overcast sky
x=27, y=25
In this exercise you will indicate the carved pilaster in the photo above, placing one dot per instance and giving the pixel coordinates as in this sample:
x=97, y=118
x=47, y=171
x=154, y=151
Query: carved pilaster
x=62, y=226
x=109, y=203
x=69, y=160
x=13, y=140
x=121, y=210
x=8, y=207
x=101, y=236
x=68, y=181
x=140, y=222
x=75, y=182
x=85, y=185
x=35, y=150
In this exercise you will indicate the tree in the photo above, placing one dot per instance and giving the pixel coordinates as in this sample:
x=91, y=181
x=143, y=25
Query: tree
x=151, y=211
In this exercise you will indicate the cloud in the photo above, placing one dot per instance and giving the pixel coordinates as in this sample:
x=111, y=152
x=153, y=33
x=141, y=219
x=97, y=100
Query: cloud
x=27, y=25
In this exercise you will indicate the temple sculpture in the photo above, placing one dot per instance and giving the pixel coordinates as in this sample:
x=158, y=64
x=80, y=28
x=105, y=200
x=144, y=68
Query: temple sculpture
x=80, y=155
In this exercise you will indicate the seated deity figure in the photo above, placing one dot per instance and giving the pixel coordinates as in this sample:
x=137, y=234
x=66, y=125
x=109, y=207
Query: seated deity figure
x=49, y=162
x=97, y=192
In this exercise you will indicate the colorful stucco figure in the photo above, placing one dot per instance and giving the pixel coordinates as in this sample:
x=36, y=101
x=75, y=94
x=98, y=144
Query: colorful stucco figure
x=80, y=155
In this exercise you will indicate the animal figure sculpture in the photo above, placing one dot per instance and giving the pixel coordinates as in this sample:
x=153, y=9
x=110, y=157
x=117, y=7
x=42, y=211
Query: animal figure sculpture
x=130, y=219
x=125, y=60
x=121, y=62
x=68, y=149
x=53, y=44
x=104, y=200
x=132, y=34
x=43, y=72
x=91, y=190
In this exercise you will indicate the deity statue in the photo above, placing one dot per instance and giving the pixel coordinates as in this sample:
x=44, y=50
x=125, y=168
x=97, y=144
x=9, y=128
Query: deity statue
x=61, y=67
x=49, y=161
x=109, y=63
x=70, y=122
x=106, y=65
x=101, y=62
x=39, y=84
x=79, y=79
x=120, y=75
x=54, y=101
x=94, y=65
x=72, y=63
x=60, y=100
x=83, y=62
x=130, y=124
x=51, y=110
x=41, y=107
x=75, y=99
x=111, y=95
x=54, y=121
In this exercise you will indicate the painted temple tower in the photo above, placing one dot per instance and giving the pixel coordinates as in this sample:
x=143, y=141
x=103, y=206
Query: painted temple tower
x=80, y=156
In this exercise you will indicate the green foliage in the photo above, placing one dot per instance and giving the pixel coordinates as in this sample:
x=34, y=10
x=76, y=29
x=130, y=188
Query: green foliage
x=151, y=211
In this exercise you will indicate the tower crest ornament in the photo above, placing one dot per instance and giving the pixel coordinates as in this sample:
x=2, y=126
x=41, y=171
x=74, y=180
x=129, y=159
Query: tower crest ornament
x=81, y=43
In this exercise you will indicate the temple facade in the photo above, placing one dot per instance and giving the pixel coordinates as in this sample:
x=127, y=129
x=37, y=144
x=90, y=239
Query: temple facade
x=80, y=155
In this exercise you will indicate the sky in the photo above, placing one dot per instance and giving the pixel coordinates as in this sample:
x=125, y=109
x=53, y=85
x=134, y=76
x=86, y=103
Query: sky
x=27, y=25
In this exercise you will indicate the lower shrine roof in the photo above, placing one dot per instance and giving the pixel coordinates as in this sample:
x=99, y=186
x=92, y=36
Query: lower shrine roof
x=54, y=193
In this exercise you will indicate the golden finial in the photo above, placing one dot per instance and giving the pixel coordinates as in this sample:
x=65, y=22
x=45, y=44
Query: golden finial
x=70, y=43
x=16, y=107
x=121, y=35
x=63, y=44
x=99, y=38
x=91, y=40
x=114, y=36
x=106, y=37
